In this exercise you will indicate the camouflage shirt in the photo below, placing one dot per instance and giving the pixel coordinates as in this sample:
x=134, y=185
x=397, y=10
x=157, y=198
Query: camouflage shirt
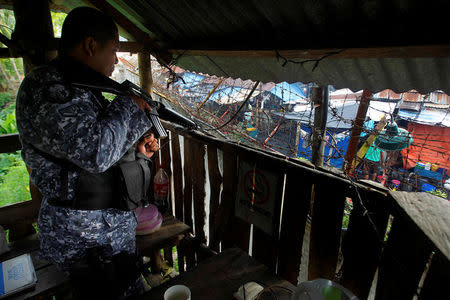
x=82, y=127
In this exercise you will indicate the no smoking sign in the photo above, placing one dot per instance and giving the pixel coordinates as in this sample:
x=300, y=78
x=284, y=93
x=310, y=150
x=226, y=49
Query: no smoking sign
x=255, y=201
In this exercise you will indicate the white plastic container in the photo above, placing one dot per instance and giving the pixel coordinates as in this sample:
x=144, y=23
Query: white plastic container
x=428, y=166
x=178, y=292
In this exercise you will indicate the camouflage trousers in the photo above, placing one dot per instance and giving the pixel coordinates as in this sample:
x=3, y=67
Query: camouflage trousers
x=65, y=234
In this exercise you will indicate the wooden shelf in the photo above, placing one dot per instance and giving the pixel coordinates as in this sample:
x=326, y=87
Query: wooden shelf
x=170, y=233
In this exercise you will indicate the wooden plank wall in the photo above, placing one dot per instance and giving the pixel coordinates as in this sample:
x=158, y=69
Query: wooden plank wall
x=165, y=164
x=351, y=259
x=297, y=199
x=215, y=184
x=327, y=213
x=363, y=241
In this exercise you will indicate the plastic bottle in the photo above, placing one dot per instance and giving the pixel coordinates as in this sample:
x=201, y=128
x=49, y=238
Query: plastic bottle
x=428, y=166
x=161, y=189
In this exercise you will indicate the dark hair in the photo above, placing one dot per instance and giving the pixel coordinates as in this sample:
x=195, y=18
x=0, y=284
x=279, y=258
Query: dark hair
x=83, y=22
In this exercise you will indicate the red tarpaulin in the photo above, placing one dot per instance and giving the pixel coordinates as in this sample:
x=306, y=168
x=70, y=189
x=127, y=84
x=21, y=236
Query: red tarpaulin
x=431, y=144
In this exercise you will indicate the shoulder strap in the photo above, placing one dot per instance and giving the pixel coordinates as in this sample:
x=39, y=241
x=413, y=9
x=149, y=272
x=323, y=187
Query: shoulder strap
x=65, y=166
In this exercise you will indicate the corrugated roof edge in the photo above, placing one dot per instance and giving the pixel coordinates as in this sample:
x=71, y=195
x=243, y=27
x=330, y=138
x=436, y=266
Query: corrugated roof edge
x=397, y=74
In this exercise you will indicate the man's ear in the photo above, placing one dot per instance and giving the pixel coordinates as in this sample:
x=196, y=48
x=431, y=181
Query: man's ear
x=89, y=46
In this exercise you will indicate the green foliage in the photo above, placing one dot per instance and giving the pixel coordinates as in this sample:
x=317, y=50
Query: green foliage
x=58, y=20
x=438, y=193
x=347, y=212
x=7, y=22
x=11, y=68
x=108, y=96
x=5, y=98
x=8, y=120
x=15, y=185
x=8, y=160
x=8, y=125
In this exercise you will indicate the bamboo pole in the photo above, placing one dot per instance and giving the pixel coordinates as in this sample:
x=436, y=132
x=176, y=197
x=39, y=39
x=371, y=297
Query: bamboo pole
x=209, y=94
x=356, y=131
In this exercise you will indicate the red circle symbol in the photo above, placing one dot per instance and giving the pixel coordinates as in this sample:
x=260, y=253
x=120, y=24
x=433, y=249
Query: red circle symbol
x=256, y=187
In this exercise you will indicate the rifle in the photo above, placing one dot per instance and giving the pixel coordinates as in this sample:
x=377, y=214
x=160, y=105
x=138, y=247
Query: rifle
x=159, y=110
x=79, y=75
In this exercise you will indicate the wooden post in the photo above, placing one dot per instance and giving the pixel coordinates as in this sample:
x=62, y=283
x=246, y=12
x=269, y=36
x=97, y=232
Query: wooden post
x=34, y=31
x=145, y=71
x=297, y=138
x=146, y=81
x=356, y=131
x=320, y=98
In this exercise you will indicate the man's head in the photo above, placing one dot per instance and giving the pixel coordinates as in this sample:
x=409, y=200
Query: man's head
x=91, y=37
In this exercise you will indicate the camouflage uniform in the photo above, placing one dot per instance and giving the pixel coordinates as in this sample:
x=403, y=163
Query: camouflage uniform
x=82, y=127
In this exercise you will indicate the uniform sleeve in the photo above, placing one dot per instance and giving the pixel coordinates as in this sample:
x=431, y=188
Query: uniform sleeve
x=74, y=129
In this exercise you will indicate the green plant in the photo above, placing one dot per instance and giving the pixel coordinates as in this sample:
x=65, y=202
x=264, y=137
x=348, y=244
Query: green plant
x=439, y=193
x=8, y=125
x=108, y=96
x=8, y=160
x=8, y=119
x=15, y=185
x=347, y=212
x=6, y=98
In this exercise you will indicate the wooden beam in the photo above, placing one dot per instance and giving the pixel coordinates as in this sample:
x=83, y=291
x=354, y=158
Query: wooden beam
x=375, y=52
x=10, y=143
x=22, y=213
x=33, y=28
x=136, y=32
x=356, y=130
x=132, y=47
x=136, y=47
x=320, y=99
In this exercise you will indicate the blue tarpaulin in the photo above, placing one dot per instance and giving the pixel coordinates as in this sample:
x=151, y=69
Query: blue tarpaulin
x=190, y=79
x=289, y=93
x=224, y=91
x=335, y=159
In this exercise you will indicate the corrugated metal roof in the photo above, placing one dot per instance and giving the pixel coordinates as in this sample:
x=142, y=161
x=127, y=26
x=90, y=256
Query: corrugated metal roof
x=414, y=96
x=308, y=24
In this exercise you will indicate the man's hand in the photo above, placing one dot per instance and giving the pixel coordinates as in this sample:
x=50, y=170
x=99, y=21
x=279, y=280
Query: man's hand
x=143, y=105
x=148, y=146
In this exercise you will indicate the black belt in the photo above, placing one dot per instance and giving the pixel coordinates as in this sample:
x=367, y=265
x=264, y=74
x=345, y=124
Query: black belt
x=84, y=205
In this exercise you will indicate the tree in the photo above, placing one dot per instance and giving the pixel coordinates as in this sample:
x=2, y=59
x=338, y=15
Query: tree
x=10, y=69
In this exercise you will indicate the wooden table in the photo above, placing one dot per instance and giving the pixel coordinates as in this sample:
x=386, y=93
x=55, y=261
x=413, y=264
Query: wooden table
x=220, y=276
x=168, y=235
x=50, y=280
